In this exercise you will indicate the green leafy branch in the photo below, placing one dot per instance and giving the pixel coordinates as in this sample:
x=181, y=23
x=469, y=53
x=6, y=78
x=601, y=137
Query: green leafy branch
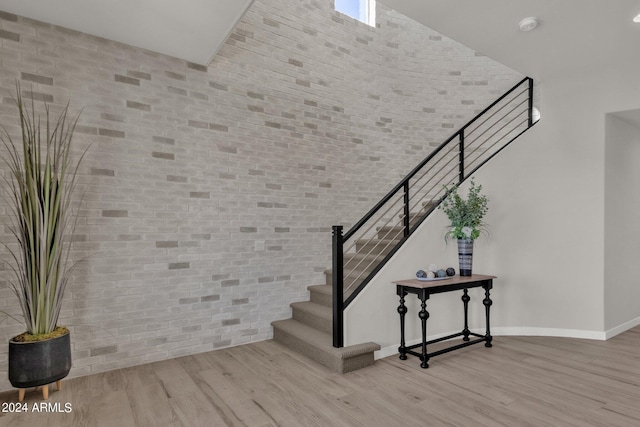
x=465, y=215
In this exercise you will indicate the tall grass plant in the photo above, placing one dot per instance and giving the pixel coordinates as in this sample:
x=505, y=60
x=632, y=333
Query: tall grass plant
x=40, y=187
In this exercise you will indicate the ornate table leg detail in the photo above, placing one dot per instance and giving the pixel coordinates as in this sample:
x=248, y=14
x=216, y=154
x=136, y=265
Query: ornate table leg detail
x=424, y=315
x=402, y=310
x=487, y=305
x=465, y=301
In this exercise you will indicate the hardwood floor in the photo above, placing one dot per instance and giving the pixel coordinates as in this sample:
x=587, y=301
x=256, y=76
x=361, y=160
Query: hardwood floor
x=521, y=381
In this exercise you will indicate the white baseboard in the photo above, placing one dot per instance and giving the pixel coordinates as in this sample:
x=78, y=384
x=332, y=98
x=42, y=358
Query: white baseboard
x=516, y=331
x=549, y=332
x=527, y=332
x=621, y=328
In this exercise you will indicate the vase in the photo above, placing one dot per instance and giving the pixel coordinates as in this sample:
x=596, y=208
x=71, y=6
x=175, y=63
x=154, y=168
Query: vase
x=465, y=256
x=38, y=363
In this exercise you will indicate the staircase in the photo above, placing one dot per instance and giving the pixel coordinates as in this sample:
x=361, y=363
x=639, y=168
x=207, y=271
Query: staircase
x=309, y=331
x=316, y=328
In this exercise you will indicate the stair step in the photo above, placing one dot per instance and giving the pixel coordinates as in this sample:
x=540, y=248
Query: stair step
x=426, y=205
x=374, y=245
x=348, y=277
x=389, y=231
x=361, y=261
x=394, y=232
x=315, y=315
x=321, y=294
x=412, y=215
x=318, y=346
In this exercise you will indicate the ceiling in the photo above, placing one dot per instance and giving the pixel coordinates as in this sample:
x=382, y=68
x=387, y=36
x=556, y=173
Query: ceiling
x=573, y=35
x=188, y=29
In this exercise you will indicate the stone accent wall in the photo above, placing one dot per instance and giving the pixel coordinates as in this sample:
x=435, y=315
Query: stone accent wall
x=210, y=191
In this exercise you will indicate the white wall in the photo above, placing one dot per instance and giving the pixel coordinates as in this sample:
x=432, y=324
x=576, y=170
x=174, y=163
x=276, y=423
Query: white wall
x=547, y=223
x=622, y=225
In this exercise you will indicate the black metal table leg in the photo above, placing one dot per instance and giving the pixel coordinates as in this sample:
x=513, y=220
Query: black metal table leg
x=424, y=315
x=402, y=310
x=465, y=301
x=487, y=304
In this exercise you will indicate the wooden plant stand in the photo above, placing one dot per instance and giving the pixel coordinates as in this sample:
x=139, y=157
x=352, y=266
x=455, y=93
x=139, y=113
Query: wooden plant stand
x=45, y=391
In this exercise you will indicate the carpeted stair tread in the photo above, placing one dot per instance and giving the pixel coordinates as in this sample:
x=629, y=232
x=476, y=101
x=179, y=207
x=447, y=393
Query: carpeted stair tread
x=351, y=280
x=390, y=232
x=313, y=308
x=428, y=204
x=323, y=289
x=315, y=315
x=361, y=261
x=321, y=294
x=318, y=346
x=366, y=245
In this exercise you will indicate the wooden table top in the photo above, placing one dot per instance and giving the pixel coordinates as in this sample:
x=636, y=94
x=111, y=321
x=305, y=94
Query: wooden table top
x=454, y=280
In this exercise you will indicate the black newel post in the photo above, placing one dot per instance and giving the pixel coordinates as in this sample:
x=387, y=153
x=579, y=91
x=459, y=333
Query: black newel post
x=461, y=158
x=338, y=288
x=530, y=102
x=406, y=208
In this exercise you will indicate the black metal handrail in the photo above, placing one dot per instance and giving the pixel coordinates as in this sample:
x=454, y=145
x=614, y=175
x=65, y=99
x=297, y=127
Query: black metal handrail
x=365, y=248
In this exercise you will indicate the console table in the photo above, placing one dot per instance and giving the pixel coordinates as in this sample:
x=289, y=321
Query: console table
x=423, y=290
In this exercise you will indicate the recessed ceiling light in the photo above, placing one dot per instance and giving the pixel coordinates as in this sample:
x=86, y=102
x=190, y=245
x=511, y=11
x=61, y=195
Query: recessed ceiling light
x=637, y=18
x=528, y=24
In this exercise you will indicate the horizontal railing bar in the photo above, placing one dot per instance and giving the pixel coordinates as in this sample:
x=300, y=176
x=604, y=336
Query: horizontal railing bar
x=511, y=101
x=427, y=195
x=415, y=170
x=501, y=148
x=439, y=182
x=494, y=144
x=370, y=275
x=436, y=174
x=418, y=187
x=350, y=233
x=373, y=210
x=452, y=150
x=374, y=224
x=500, y=139
x=526, y=79
x=502, y=127
x=369, y=253
x=375, y=271
x=386, y=224
x=362, y=272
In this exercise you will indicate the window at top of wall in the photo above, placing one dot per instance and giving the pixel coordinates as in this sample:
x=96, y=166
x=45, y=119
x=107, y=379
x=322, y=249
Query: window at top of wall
x=362, y=10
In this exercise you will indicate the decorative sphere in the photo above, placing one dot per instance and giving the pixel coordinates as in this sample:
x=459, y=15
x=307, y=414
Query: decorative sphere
x=451, y=271
x=441, y=273
x=431, y=274
x=421, y=274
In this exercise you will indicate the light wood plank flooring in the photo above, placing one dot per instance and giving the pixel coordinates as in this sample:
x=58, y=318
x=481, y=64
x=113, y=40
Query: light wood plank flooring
x=521, y=381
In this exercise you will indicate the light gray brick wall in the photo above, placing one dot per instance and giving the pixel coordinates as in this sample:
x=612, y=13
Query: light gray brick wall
x=304, y=119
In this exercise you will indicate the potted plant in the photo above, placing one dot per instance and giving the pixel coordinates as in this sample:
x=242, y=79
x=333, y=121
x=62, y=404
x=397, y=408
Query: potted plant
x=466, y=221
x=40, y=182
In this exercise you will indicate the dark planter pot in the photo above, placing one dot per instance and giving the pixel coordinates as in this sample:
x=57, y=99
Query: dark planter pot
x=465, y=256
x=33, y=364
